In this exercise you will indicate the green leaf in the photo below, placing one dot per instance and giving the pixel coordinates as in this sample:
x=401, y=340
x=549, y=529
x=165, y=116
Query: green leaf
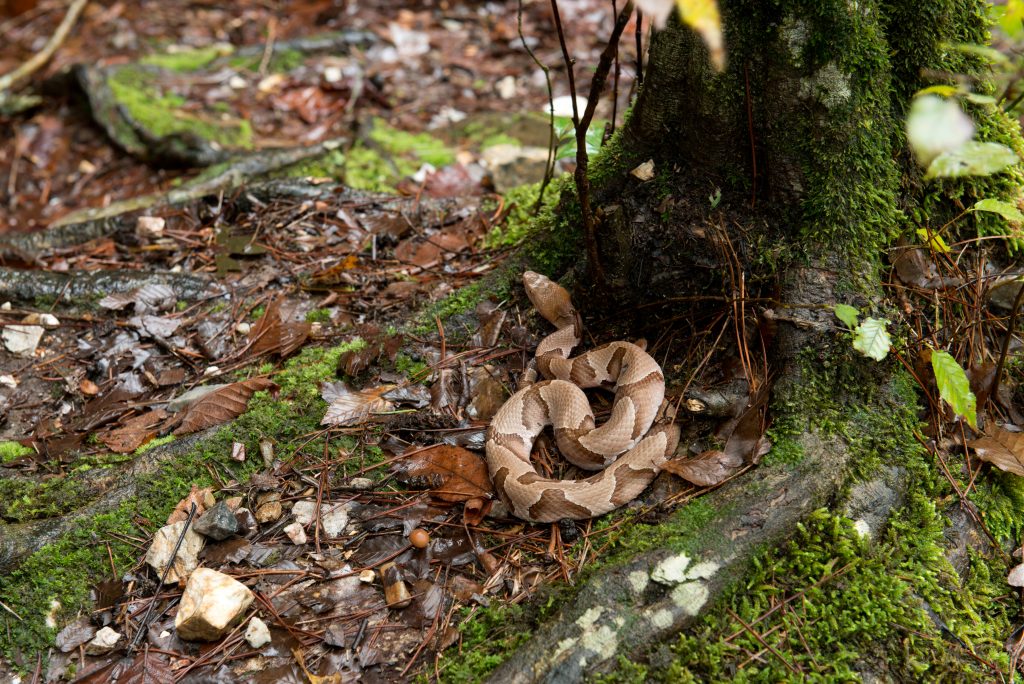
x=847, y=314
x=872, y=339
x=954, y=387
x=984, y=51
x=980, y=99
x=972, y=159
x=933, y=240
x=1007, y=210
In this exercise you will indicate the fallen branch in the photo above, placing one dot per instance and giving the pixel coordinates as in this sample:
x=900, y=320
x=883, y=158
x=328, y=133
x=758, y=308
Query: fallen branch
x=38, y=60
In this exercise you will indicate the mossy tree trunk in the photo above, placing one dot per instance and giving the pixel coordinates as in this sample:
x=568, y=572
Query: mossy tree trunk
x=803, y=136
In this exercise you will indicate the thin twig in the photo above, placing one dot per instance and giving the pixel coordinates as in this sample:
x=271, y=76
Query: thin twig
x=144, y=625
x=549, y=168
x=993, y=393
x=38, y=60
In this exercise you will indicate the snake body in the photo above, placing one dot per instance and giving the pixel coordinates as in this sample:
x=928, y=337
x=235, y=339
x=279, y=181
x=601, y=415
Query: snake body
x=628, y=449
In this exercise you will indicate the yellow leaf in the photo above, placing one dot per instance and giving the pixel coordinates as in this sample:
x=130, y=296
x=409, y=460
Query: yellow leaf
x=703, y=17
x=934, y=240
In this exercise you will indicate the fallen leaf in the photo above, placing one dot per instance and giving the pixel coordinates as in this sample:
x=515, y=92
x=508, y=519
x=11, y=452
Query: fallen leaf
x=450, y=473
x=1002, y=448
x=645, y=171
x=133, y=432
x=152, y=297
x=221, y=406
x=200, y=497
x=706, y=469
x=148, y=668
x=273, y=335
x=351, y=407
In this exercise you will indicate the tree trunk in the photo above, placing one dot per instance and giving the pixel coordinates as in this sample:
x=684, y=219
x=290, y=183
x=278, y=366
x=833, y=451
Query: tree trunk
x=802, y=135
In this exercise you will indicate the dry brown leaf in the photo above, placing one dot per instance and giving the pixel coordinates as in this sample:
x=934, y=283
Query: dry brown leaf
x=1001, y=448
x=273, y=335
x=451, y=473
x=349, y=407
x=133, y=432
x=221, y=406
x=706, y=469
x=202, y=498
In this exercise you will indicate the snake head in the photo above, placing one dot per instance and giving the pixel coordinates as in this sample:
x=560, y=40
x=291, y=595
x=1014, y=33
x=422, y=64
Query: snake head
x=550, y=299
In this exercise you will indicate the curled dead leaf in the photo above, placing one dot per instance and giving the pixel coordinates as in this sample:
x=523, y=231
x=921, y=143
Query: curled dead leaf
x=1002, y=448
x=273, y=335
x=706, y=469
x=133, y=432
x=451, y=473
x=347, y=407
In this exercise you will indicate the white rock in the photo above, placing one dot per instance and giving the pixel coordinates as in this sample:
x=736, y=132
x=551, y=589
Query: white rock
x=333, y=74
x=47, y=320
x=236, y=82
x=367, y=576
x=22, y=340
x=211, y=370
x=6, y=306
x=185, y=562
x=562, y=106
x=150, y=226
x=8, y=381
x=333, y=517
x=361, y=483
x=1016, y=576
x=257, y=635
x=211, y=605
x=296, y=533
x=104, y=642
x=243, y=328
x=506, y=87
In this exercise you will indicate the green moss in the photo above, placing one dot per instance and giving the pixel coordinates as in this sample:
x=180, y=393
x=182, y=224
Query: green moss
x=187, y=60
x=411, y=368
x=319, y=316
x=859, y=608
x=422, y=146
x=154, y=443
x=329, y=165
x=282, y=61
x=12, y=450
x=488, y=635
x=462, y=300
x=520, y=219
x=162, y=115
x=498, y=139
x=22, y=500
x=367, y=169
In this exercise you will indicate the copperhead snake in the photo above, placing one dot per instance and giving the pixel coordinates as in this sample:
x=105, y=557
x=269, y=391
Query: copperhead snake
x=628, y=448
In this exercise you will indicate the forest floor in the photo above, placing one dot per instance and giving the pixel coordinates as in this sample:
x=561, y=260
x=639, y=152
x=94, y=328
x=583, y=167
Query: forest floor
x=264, y=258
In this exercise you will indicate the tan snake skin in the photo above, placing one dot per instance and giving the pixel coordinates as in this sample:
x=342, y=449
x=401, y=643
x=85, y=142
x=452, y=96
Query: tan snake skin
x=628, y=448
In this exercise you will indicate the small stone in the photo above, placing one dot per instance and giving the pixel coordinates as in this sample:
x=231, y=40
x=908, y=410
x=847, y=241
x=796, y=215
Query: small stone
x=104, y=642
x=506, y=87
x=8, y=381
x=268, y=507
x=150, y=226
x=361, y=483
x=6, y=306
x=187, y=560
x=86, y=167
x=296, y=533
x=243, y=328
x=396, y=592
x=257, y=634
x=217, y=523
x=1016, y=576
x=334, y=635
x=333, y=74
x=367, y=576
x=22, y=340
x=238, y=452
x=211, y=370
x=233, y=502
x=236, y=82
x=333, y=517
x=512, y=165
x=47, y=320
x=212, y=604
